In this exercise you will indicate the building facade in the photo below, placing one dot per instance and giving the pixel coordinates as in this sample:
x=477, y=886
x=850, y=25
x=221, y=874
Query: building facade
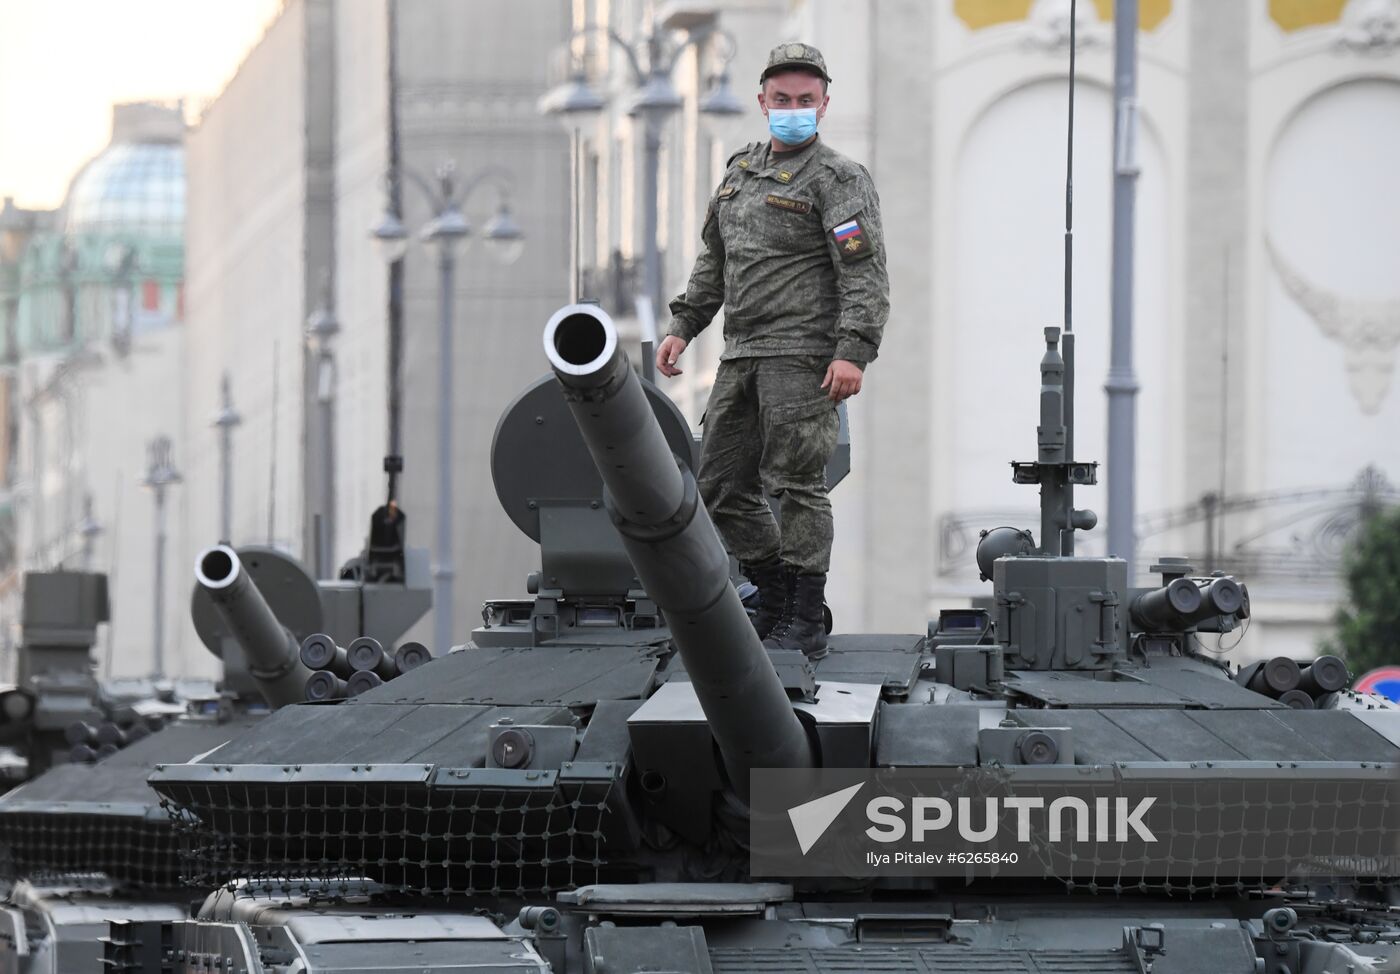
x=92, y=301
x=288, y=171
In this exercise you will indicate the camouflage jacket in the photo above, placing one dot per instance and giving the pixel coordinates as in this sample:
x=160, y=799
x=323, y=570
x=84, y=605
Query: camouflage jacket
x=794, y=252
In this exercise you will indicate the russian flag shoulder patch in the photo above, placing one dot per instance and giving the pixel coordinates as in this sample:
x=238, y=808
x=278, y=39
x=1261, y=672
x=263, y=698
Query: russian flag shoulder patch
x=850, y=240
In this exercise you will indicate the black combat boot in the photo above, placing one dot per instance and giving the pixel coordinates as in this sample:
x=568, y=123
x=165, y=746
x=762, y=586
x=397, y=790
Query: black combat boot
x=804, y=628
x=774, y=583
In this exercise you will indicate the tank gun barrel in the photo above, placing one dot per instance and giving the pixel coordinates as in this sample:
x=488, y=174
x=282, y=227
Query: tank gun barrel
x=674, y=548
x=272, y=652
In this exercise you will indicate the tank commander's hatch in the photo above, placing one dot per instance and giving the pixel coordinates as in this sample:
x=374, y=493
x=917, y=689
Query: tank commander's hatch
x=548, y=486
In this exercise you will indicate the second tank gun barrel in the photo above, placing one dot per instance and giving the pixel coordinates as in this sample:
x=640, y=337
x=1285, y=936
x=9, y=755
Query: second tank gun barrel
x=673, y=546
x=272, y=652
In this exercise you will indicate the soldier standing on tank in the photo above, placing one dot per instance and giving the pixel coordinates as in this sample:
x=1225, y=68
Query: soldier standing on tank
x=793, y=251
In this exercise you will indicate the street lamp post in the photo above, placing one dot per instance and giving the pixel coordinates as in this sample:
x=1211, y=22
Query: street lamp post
x=448, y=232
x=160, y=474
x=574, y=104
x=321, y=328
x=1122, y=385
x=225, y=421
x=653, y=101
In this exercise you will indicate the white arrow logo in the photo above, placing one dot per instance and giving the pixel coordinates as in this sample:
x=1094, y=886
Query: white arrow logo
x=810, y=820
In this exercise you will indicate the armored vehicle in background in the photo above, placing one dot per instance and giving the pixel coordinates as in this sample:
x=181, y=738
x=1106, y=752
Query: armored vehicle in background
x=88, y=840
x=582, y=785
x=56, y=681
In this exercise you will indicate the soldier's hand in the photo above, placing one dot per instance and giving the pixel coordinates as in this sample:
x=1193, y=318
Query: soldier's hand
x=667, y=353
x=842, y=380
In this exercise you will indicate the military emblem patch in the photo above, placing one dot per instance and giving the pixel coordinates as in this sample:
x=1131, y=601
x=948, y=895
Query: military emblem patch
x=727, y=192
x=784, y=176
x=743, y=163
x=792, y=206
x=850, y=240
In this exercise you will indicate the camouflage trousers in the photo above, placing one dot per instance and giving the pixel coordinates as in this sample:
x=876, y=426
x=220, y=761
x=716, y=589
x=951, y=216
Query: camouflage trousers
x=769, y=427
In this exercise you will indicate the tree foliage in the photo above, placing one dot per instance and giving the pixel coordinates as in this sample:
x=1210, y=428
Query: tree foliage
x=1367, y=631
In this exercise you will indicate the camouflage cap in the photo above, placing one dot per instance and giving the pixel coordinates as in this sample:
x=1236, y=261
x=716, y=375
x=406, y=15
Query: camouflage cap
x=795, y=55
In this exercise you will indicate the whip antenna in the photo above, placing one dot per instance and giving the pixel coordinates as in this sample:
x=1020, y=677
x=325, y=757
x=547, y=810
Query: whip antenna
x=1067, y=340
x=1069, y=174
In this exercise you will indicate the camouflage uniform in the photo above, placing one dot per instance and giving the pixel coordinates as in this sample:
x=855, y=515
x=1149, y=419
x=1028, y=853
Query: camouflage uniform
x=792, y=249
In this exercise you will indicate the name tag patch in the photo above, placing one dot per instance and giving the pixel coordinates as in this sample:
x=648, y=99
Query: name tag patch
x=792, y=206
x=850, y=240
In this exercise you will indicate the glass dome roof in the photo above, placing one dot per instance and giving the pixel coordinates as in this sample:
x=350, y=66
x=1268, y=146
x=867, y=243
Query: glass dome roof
x=130, y=189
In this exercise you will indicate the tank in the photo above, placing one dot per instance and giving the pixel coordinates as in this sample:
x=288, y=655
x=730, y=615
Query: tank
x=613, y=774
x=88, y=840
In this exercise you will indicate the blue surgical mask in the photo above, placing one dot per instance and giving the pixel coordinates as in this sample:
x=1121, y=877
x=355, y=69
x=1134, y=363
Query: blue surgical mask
x=792, y=126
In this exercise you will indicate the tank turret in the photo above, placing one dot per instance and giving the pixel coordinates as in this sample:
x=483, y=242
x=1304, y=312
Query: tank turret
x=272, y=651
x=260, y=611
x=653, y=502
